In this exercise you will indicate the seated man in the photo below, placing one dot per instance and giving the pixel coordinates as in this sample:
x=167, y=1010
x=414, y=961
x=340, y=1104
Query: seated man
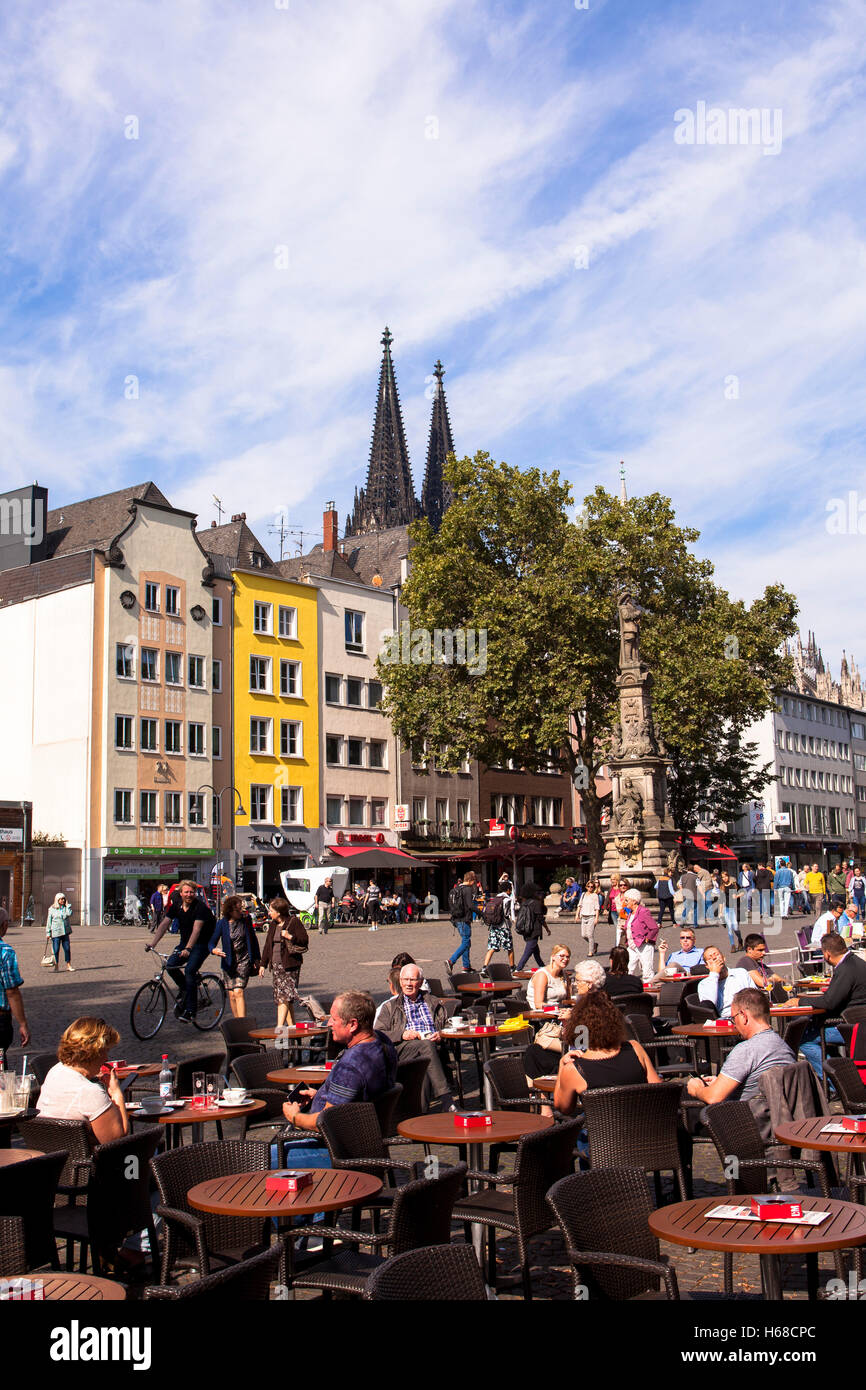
x=413, y=1023
x=752, y=962
x=846, y=989
x=835, y=919
x=721, y=984
x=688, y=955
x=760, y=1049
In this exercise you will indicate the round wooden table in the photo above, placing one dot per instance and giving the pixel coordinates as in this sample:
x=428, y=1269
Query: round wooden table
x=491, y=989
x=288, y=1031
x=547, y=1084
x=77, y=1288
x=545, y=1015
x=806, y=1134
x=245, y=1194
x=292, y=1076
x=199, y=1116
x=686, y=1223
x=10, y=1156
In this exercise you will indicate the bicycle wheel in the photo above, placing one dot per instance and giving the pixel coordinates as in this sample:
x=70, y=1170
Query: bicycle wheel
x=211, y=1002
x=108, y=919
x=148, y=1011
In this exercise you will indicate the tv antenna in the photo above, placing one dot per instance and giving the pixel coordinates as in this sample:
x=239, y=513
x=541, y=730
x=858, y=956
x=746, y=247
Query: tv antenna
x=219, y=507
x=283, y=530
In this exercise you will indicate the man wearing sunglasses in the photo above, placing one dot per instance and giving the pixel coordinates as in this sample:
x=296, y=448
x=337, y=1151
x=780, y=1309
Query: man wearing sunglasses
x=687, y=956
x=761, y=1049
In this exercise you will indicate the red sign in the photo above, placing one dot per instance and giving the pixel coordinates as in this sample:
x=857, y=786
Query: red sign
x=359, y=839
x=497, y=829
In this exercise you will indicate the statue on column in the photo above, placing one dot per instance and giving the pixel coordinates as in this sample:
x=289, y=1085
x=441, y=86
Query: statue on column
x=629, y=629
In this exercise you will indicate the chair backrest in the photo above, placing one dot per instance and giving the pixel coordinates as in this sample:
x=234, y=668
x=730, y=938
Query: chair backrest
x=499, y=970
x=845, y=1076
x=465, y=977
x=736, y=1134
x=411, y=1076
x=635, y=1004
x=248, y=1281
x=385, y=1104
x=118, y=1194
x=207, y=1062
x=803, y=938
x=634, y=1126
x=29, y=1189
x=75, y=1137
x=542, y=1159
x=41, y=1064
x=437, y=1273
x=13, y=1252
x=236, y=1030
x=641, y=1027
x=352, y=1131
x=176, y=1172
x=699, y=1010
x=508, y=1079
x=670, y=997
x=437, y=988
x=421, y=1210
x=793, y=1034
x=252, y=1070
x=606, y=1211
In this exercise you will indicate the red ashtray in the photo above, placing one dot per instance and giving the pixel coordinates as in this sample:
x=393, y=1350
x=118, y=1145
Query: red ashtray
x=856, y=1123
x=771, y=1209
x=328, y=1066
x=472, y=1119
x=485, y=984
x=288, y=1180
x=482, y=1028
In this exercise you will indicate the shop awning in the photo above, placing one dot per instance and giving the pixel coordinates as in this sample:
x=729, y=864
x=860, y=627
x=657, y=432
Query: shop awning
x=704, y=845
x=356, y=858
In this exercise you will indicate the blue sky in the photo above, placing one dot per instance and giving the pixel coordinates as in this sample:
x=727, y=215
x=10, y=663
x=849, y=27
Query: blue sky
x=437, y=165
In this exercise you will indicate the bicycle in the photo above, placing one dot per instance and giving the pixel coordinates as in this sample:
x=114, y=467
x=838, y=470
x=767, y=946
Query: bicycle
x=117, y=916
x=150, y=1005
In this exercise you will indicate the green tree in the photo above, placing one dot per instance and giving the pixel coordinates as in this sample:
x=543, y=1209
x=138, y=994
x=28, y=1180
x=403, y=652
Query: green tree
x=510, y=560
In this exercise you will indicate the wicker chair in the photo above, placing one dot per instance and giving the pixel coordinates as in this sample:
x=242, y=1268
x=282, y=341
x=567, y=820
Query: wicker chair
x=41, y=1064
x=440, y=1273
x=500, y=970
x=849, y=1087
x=410, y=1075
x=13, y=1251
x=637, y=1126
x=236, y=1035
x=658, y=1048
x=248, y=1281
x=251, y=1071
x=635, y=1004
x=603, y=1218
x=542, y=1159
x=207, y=1238
x=118, y=1200
x=74, y=1138
x=698, y=1010
x=30, y=1188
x=420, y=1216
x=353, y=1136
x=508, y=1083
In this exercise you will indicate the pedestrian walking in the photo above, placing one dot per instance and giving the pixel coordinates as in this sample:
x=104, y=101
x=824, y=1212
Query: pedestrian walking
x=235, y=941
x=324, y=905
x=665, y=895
x=283, y=951
x=498, y=929
x=641, y=932
x=530, y=924
x=373, y=904
x=817, y=887
x=589, y=911
x=461, y=905
x=783, y=886
x=730, y=896
x=857, y=889
x=58, y=930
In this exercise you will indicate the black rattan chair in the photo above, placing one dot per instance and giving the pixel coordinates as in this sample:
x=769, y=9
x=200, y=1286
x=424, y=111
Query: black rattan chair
x=508, y=1083
x=440, y=1273
x=542, y=1159
x=207, y=1062
x=251, y=1071
x=671, y=1056
x=501, y=970
x=410, y=1076
x=353, y=1136
x=849, y=1087
x=13, y=1251
x=603, y=1216
x=208, y=1239
x=118, y=1200
x=29, y=1189
x=236, y=1035
x=698, y=1010
x=72, y=1137
x=420, y=1216
x=248, y=1281
x=635, y=1004
x=637, y=1127
x=41, y=1064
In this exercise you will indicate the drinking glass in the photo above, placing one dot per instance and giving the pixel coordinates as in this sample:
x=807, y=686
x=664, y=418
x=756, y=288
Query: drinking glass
x=199, y=1096
x=22, y=1092
x=215, y=1084
x=7, y=1090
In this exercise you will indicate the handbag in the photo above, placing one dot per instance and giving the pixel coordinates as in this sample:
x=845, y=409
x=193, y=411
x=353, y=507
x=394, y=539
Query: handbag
x=48, y=956
x=549, y=1036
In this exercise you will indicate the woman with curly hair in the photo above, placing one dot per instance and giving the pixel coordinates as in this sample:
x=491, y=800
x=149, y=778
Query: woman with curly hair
x=596, y=1052
x=71, y=1090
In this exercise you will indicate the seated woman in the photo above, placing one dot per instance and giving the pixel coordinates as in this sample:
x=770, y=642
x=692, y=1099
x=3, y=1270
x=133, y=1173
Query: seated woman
x=537, y=1061
x=549, y=985
x=71, y=1090
x=598, y=1053
x=618, y=981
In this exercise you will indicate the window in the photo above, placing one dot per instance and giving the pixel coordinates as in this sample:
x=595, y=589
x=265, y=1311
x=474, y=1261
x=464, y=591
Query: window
x=149, y=814
x=216, y=741
x=821, y=819
x=262, y=617
x=217, y=612
x=805, y=817
x=173, y=736
x=354, y=631
x=291, y=738
x=151, y=598
x=196, y=808
x=332, y=690
x=260, y=673
x=258, y=559
x=442, y=813
x=332, y=750
x=196, y=672
x=374, y=695
x=123, y=731
x=861, y=793
x=260, y=803
x=288, y=622
x=787, y=742
x=356, y=810
x=149, y=667
x=835, y=813
x=172, y=668
x=378, y=812
x=260, y=735
x=860, y=762
x=122, y=807
x=217, y=679
x=462, y=815
x=195, y=740
x=419, y=814
x=546, y=810
x=377, y=753
x=858, y=730
x=150, y=735
x=780, y=738
x=334, y=810
x=172, y=601
x=791, y=811
x=419, y=754
x=290, y=677
x=173, y=809
x=126, y=661
x=353, y=692
x=355, y=747
x=290, y=805
x=216, y=812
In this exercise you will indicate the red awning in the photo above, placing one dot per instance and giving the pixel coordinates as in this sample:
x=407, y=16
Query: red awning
x=704, y=845
x=379, y=858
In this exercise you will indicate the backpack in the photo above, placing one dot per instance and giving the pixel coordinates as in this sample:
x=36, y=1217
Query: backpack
x=455, y=902
x=494, y=912
x=523, y=923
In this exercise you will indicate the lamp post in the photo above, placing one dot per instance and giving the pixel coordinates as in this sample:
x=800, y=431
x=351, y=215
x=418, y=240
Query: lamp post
x=236, y=811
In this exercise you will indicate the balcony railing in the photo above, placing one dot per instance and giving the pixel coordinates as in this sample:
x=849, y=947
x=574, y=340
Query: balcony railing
x=445, y=834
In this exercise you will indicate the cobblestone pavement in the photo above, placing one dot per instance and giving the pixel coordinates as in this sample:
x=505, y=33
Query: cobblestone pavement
x=110, y=964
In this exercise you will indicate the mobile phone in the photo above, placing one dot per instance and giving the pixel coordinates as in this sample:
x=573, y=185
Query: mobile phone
x=298, y=1094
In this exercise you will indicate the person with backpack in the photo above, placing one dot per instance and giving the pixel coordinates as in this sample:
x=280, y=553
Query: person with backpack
x=461, y=905
x=499, y=936
x=530, y=924
x=665, y=895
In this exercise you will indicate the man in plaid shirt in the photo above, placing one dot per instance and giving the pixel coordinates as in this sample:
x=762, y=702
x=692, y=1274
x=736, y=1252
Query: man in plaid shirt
x=414, y=1025
x=11, y=1002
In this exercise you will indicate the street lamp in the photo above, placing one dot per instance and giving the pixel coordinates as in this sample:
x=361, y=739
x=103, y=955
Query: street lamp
x=237, y=811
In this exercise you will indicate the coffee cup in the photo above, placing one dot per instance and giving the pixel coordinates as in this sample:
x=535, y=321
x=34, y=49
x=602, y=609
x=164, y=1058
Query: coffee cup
x=235, y=1094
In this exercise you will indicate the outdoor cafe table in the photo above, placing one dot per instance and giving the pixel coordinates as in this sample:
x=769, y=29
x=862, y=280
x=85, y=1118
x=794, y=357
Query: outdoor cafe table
x=806, y=1134
x=480, y=1038
x=10, y=1156
x=77, y=1288
x=547, y=1084
x=198, y=1116
x=292, y=1076
x=506, y=1127
x=491, y=988
x=288, y=1030
x=686, y=1223
x=707, y=1035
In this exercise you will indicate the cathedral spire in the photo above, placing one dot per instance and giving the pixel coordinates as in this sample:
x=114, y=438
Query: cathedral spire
x=436, y=494
x=389, y=497
x=623, y=495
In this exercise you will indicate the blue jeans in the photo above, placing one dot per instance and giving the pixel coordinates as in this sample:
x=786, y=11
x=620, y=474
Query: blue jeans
x=690, y=909
x=465, y=930
x=183, y=972
x=811, y=1046
x=732, y=925
x=56, y=942
x=303, y=1153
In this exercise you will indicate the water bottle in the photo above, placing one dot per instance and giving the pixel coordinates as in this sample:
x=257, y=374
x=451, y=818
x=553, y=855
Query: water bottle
x=488, y=1018
x=165, y=1082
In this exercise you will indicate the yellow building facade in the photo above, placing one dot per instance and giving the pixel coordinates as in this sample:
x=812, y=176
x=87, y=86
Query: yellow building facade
x=275, y=727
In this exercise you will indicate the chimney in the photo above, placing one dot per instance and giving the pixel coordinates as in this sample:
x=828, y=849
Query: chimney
x=330, y=527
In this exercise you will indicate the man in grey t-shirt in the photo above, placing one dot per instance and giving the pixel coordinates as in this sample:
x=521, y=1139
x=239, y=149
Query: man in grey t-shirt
x=760, y=1049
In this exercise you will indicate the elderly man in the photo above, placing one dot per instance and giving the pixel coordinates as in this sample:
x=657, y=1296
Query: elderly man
x=641, y=932
x=834, y=919
x=413, y=1022
x=688, y=955
x=324, y=905
x=760, y=1049
x=721, y=984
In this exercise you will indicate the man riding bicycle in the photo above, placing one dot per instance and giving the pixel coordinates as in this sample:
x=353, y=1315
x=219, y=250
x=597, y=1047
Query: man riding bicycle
x=195, y=923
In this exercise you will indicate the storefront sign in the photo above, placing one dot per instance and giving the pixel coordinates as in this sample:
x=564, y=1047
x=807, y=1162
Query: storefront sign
x=401, y=818
x=12, y=835
x=757, y=824
x=169, y=853
x=497, y=829
x=351, y=838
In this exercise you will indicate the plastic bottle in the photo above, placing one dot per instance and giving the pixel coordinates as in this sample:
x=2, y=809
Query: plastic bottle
x=165, y=1081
